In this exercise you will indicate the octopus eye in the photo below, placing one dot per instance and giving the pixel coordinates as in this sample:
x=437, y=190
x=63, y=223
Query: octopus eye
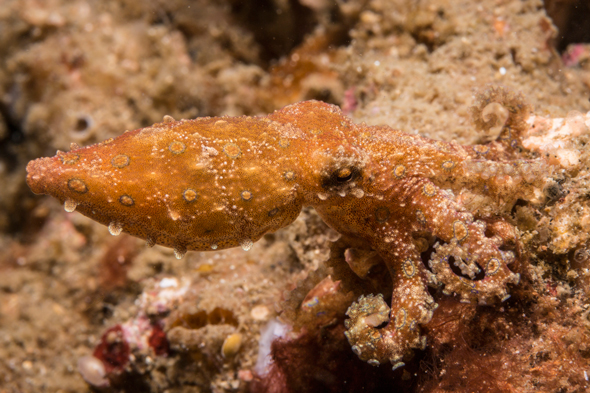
x=343, y=175
x=340, y=177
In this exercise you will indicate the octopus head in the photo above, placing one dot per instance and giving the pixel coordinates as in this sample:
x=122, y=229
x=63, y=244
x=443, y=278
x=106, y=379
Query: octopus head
x=335, y=174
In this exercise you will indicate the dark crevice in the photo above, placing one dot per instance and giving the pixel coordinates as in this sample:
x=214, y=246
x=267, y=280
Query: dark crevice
x=427, y=254
x=277, y=31
x=571, y=19
x=14, y=136
x=22, y=221
x=277, y=27
x=457, y=271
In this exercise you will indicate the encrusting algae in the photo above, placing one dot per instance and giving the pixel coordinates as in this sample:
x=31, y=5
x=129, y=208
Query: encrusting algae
x=216, y=183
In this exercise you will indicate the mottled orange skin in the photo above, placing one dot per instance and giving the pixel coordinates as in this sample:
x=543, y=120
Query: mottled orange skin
x=214, y=183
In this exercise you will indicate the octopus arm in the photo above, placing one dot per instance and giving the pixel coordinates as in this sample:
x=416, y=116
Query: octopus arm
x=412, y=306
x=462, y=241
x=422, y=207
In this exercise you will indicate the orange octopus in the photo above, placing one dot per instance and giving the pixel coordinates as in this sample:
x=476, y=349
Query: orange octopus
x=219, y=182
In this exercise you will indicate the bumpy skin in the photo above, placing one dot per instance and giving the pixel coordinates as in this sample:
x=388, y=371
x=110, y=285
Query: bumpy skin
x=214, y=183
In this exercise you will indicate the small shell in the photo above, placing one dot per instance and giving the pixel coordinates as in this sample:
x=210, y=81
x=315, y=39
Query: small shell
x=231, y=345
x=93, y=371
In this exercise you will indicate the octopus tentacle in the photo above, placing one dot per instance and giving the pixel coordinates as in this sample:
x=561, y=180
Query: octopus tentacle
x=468, y=246
x=485, y=291
x=412, y=306
x=431, y=210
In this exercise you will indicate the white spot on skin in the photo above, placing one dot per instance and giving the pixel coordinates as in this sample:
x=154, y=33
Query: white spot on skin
x=246, y=244
x=70, y=205
x=115, y=228
x=179, y=252
x=173, y=214
x=357, y=192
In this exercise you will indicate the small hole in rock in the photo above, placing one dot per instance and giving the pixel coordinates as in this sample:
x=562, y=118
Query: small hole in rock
x=83, y=123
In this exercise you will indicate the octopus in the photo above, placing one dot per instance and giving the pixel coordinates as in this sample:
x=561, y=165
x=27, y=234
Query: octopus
x=218, y=182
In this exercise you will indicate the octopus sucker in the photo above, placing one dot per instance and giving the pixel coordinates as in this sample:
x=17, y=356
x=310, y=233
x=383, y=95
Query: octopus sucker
x=220, y=182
